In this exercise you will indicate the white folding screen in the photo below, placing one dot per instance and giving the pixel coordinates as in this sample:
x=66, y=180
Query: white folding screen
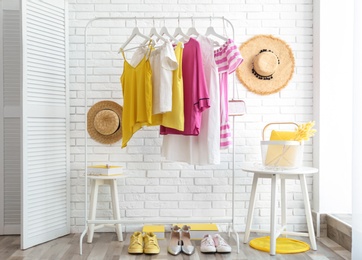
x=45, y=122
x=10, y=130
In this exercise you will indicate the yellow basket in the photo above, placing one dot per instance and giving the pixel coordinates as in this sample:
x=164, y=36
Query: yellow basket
x=281, y=151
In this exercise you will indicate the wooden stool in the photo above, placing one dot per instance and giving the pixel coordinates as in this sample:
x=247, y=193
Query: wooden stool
x=282, y=174
x=96, y=181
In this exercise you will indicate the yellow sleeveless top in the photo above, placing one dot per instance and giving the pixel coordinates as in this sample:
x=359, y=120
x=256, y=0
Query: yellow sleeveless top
x=137, y=97
x=175, y=119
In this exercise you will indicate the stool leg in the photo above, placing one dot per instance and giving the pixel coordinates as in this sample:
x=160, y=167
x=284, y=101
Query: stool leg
x=273, y=214
x=92, y=209
x=251, y=208
x=283, y=204
x=115, y=208
x=308, y=213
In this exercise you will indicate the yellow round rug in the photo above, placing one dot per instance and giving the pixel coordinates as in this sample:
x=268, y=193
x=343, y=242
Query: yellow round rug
x=284, y=245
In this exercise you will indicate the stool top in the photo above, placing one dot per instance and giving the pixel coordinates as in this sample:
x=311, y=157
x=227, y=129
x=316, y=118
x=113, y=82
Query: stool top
x=106, y=177
x=259, y=168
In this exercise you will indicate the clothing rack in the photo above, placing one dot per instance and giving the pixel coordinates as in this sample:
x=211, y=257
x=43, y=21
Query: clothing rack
x=149, y=220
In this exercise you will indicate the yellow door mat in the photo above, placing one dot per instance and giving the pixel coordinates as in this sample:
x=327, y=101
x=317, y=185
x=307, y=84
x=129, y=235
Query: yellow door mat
x=284, y=245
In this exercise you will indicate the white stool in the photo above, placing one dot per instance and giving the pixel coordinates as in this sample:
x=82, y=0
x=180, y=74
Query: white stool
x=96, y=181
x=282, y=174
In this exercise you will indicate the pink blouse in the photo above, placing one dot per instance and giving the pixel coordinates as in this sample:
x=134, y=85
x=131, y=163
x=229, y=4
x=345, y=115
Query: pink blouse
x=227, y=59
x=196, y=96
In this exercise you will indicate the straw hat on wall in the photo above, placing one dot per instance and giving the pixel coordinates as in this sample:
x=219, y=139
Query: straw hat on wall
x=268, y=64
x=104, y=122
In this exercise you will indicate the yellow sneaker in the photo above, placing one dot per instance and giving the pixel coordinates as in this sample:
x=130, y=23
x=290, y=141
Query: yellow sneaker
x=151, y=244
x=136, y=243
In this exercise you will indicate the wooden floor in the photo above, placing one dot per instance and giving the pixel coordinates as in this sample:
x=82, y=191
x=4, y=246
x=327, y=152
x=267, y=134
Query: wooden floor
x=105, y=246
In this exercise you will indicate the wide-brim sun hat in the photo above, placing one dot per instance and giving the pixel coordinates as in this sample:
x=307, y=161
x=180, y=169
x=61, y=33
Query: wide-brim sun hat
x=268, y=64
x=104, y=122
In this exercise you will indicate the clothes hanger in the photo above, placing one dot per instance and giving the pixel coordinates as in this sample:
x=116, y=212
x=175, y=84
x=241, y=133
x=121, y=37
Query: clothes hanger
x=192, y=30
x=210, y=31
x=164, y=31
x=179, y=32
x=136, y=32
x=154, y=33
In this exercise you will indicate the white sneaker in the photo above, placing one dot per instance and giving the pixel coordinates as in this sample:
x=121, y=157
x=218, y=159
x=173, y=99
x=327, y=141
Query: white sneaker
x=207, y=245
x=221, y=245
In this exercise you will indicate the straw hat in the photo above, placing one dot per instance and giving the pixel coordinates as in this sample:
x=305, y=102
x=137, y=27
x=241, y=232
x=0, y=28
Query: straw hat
x=104, y=122
x=268, y=64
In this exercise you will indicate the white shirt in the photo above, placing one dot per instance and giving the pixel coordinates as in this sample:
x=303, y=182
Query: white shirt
x=163, y=62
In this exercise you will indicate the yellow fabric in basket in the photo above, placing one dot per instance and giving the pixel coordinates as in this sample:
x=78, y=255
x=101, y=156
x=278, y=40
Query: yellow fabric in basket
x=284, y=245
x=281, y=155
x=282, y=135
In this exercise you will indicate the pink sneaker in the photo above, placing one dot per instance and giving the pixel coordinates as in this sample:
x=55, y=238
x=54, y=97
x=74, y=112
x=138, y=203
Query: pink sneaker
x=221, y=245
x=207, y=245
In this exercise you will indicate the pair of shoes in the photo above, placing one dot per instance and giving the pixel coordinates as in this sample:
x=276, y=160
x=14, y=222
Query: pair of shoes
x=180, y=241
x=146, y=243
x=213, y=244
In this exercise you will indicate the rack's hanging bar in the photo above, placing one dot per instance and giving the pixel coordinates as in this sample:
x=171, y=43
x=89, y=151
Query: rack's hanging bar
x=165, y=18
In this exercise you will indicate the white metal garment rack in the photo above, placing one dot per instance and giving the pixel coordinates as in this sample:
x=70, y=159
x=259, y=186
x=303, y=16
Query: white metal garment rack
x=225, y=220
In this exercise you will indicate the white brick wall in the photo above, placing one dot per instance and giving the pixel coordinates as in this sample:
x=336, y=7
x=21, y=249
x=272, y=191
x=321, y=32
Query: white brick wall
x=159, y=188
